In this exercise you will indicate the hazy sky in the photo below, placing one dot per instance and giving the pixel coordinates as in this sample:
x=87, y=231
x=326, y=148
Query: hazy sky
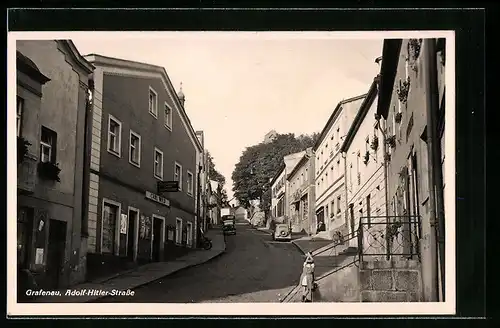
x=239, y=88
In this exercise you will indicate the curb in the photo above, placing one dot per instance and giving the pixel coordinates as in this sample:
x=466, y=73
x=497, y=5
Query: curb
x=298, y=247
x=264, y=231
x=170, y=273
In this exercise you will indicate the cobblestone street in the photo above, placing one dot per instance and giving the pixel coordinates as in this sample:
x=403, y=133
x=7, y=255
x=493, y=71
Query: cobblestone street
x=253, y=269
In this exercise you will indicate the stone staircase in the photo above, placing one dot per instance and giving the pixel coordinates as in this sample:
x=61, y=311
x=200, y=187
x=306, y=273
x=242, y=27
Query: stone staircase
x=334, y=275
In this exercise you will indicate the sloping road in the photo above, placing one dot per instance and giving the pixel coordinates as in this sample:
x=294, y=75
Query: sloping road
x=253, y=269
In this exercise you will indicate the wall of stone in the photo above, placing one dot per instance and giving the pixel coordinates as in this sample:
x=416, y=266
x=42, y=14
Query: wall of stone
x=390, y=281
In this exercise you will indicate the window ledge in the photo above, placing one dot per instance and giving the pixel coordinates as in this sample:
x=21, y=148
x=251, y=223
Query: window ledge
x=158, y=177
x=153, y=114
x=169, y=128
x=138, y=165
x=114, y=153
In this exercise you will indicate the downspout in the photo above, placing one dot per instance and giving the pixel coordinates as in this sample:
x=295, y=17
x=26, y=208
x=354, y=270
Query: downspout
x=198, y=197
x=346, y=214
x=430, y=85
x=386, y=182
x=86, y=160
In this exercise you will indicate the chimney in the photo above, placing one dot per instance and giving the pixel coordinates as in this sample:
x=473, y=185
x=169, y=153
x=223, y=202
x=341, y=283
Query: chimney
x=181, y=96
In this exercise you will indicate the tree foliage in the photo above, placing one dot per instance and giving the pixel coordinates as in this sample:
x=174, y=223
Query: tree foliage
x=259, y=163
x=213, y=174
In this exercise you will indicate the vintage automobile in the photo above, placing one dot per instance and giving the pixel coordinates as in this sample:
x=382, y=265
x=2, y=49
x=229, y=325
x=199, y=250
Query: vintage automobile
x=229, y=225
x=283, y=232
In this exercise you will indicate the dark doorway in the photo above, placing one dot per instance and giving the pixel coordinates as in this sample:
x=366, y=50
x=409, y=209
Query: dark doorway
x=157, y=223
x=132, y=219
x=24, y=236
x=55, y=252
x=320, y=219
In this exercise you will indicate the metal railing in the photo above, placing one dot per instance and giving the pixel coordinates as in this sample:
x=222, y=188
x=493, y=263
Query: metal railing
x=389, y=236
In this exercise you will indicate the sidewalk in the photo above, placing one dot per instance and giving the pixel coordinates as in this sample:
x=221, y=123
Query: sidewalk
x=308, y=244
x=142, y=275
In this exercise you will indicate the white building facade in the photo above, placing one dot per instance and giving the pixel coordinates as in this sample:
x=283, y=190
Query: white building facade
x=365, y=175
x=278, y=186
x=331, y=203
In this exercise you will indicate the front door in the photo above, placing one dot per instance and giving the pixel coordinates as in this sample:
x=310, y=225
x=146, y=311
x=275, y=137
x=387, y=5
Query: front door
x=157, y=223
x=132, y=221
x=55, y=252
x=24, y=231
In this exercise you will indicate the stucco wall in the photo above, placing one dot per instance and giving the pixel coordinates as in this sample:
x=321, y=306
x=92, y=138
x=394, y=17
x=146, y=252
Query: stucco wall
x=330, y=167
x=367, y=180
x=408, y=139
x=126, y=98
x=341, y=285
x=62, y=110
x=302, y=183
x=59, y=109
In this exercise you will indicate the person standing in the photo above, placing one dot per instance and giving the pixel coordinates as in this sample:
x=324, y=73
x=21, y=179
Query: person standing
x=307, y=278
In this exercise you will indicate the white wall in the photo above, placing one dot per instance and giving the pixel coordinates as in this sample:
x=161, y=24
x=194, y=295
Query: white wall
x=371, y=181
x=330, y=167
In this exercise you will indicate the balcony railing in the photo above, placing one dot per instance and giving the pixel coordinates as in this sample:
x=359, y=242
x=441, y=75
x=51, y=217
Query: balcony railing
x=389, y=236
x=27, y=173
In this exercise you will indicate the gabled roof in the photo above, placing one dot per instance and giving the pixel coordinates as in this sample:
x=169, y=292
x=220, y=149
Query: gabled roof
x=278, y=173
x=138, y=66
x=77, y=57
x=308, y=153
x=360, y=116
x=388, y=70
x=333, y=117
x=302, y=161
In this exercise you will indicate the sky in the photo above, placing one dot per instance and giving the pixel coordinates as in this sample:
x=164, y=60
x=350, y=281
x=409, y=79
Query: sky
x=240, y=86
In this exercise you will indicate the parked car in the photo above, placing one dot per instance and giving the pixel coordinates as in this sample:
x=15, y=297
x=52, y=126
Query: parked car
x=229, y=225
x=282, y=232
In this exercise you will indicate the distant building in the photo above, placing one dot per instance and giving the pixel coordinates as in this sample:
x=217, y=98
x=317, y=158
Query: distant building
x=241, y=213
x=52, y=95
x=214, y=201
x=331, y=202
x=280, y=198
x=141, y=136
x=270, y=136
x=302, y=194
x=278, y=183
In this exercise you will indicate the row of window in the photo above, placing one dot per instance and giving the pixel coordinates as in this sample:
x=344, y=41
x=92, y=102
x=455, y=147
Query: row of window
x=331, y=211
x=112, y=224
x=328, y=177
x=135, y=154
x=300, y=180
x=328, y=152
x=153, y=109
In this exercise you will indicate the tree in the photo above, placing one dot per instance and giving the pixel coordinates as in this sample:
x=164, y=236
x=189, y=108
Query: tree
x=213, y=174
x=259, y=163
